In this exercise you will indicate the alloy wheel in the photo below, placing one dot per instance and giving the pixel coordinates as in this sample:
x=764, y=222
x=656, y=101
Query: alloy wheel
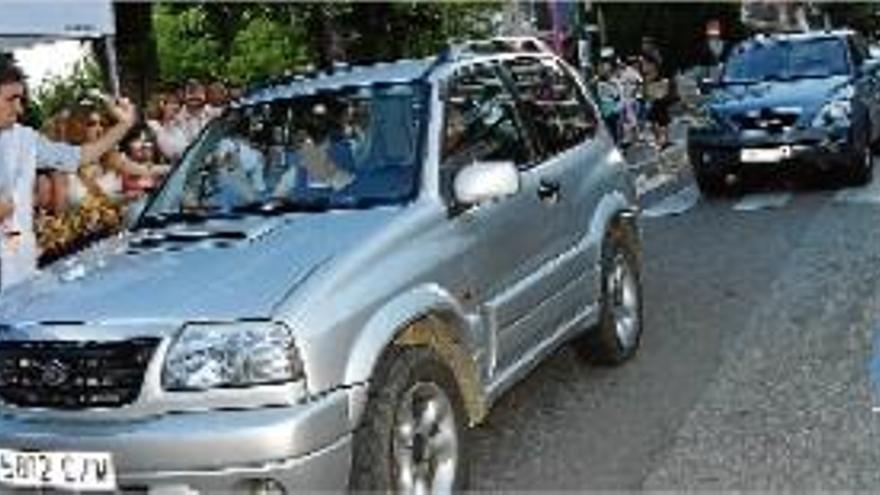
x=624, y=302
x=426, y=443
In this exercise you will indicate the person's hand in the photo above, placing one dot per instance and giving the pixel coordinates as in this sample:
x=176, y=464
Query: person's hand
x=123, y=111
x=7, y=208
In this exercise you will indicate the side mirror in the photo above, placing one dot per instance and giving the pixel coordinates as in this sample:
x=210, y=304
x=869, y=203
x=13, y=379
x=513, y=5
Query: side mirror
x=484, y=181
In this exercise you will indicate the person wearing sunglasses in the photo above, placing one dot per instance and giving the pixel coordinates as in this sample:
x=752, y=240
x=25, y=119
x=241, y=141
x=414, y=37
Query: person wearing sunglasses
x=22, y=150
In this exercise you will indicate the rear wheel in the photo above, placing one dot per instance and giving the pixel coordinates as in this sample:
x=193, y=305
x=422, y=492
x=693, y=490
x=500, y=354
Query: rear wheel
x=861, y=170
x=620, y=315
x=411, y=439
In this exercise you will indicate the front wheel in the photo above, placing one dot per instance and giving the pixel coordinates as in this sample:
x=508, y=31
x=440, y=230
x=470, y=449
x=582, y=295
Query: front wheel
x=620, y=316
x=711, y=185
x=861, y=170
x=412, y=437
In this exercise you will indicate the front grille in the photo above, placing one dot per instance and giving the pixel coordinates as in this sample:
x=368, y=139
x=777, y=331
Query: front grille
x=766, y=120
x=73, y=375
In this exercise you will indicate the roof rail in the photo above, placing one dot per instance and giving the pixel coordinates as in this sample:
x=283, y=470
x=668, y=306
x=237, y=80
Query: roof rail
x=496, y=45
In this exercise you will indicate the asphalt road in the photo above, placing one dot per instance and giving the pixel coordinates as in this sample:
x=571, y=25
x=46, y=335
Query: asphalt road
x=753, y=371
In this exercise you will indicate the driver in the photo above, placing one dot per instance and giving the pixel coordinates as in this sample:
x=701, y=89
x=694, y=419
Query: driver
x=239, y=169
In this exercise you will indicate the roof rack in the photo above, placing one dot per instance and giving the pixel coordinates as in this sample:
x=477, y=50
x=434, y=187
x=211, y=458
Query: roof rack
x=495, y=45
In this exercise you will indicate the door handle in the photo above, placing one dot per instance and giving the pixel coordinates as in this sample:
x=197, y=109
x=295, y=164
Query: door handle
x=548, y=191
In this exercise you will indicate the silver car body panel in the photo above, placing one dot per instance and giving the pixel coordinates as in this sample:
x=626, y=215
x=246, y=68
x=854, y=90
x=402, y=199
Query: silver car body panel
x=346, y=283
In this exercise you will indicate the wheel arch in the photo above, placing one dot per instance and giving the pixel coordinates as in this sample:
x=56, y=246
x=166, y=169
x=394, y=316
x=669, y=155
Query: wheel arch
x=426, y=316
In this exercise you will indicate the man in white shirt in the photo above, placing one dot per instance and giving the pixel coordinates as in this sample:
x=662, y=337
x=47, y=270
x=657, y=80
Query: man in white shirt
x=196, y=113
x=22, y=150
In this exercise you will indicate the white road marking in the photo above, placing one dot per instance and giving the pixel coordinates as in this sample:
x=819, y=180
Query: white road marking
x=762, y=201
x=869, y=194
x=644, y=185
x=674, y=204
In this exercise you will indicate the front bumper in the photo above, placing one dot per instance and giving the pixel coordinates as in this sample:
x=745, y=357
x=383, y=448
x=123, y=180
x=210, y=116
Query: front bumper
x=304, y=447
x=718, y=153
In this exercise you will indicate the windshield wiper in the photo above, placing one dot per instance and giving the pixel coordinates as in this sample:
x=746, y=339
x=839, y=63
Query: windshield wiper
x=282, y=206
x=159, y=220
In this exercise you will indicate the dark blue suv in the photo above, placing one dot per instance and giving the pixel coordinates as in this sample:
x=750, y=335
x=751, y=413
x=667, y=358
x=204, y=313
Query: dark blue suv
x=789, y=102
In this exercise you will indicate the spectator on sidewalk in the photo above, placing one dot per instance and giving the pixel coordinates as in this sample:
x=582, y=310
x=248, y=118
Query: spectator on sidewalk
x=163, y=124
x=217, y=96
x=609, y=92
x=22, y=150
x=659, y=97
x=631, y=115
x=196, y=112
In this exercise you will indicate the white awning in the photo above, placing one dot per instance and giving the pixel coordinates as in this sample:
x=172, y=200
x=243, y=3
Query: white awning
x=26, y=22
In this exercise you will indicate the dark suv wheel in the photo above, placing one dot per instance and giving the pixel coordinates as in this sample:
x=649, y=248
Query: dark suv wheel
x=861, y=170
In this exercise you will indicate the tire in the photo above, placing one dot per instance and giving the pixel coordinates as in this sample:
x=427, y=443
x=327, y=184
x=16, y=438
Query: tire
x=613, y=342
x=711, y=186
x=410, y=383
x=861, y=171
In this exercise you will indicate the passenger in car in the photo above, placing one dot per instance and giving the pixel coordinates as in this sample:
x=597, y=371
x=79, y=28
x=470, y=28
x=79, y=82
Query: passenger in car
x=314, y=163
x=241, y=169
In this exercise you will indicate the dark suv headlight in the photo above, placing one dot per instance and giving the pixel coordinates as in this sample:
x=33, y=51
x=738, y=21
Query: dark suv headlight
x=834, y=113
x=838, y=111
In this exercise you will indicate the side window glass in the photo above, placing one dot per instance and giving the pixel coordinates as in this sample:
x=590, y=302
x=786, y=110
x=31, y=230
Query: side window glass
x=480, y=121
x=558, y=112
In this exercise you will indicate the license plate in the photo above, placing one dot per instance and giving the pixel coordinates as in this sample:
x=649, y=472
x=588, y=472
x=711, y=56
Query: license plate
x=765, y=155
x=78, y=471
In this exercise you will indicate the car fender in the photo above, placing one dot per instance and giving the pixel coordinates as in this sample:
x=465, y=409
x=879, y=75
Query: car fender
x=613, y=205
x=388, y=323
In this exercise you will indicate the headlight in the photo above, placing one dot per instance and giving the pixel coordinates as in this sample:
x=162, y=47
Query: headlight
x=834, y=112
x=231, y=355
x=705, y=118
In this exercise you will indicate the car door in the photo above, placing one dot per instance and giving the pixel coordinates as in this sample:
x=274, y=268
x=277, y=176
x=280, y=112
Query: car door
x=565, y=126
x=512, y=238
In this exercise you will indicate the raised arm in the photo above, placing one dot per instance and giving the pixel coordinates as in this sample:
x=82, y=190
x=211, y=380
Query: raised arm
x=124, y=113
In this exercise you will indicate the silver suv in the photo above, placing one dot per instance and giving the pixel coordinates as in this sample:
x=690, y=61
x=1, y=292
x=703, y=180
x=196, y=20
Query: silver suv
x=340, y=277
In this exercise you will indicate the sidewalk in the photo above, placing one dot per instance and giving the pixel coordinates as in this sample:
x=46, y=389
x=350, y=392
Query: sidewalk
x=660, y=172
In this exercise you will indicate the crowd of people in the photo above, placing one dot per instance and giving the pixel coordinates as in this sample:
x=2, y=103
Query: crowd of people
x=635, y=95
x=73, y=208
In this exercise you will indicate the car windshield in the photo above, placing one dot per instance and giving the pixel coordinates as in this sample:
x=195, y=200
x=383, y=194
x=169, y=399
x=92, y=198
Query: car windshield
x=347, y=148
x=784, y=60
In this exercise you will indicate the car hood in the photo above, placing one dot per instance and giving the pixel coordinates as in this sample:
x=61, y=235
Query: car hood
x=219, y=271
x=808, y=95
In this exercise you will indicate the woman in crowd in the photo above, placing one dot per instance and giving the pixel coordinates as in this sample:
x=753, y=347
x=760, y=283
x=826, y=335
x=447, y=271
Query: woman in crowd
x=659, y=96
x=163, y=123
x=141, y=150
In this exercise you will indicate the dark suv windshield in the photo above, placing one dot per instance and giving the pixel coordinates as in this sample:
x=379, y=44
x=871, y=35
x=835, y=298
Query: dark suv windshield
x=782, y=60
x=345, y=148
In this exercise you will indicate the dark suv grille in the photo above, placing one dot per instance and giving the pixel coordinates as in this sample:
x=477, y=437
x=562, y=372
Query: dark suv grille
x=766, y=120
x=73, y=375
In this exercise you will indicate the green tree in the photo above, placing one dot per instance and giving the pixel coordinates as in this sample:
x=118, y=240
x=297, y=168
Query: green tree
x=58, y=93
x=247, y=42
x=185, y=45
x=264, y=48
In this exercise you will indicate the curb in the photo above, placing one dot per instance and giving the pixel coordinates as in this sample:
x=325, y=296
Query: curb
x=663, y=175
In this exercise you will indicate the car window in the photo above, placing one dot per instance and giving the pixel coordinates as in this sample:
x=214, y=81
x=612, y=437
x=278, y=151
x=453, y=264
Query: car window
x=350, y=147
x=480, y=121
x=558, y=112
x=775, y=60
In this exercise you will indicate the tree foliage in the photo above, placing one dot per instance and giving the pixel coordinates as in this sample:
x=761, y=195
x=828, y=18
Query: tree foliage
x=246, y=42
x=57, y=93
